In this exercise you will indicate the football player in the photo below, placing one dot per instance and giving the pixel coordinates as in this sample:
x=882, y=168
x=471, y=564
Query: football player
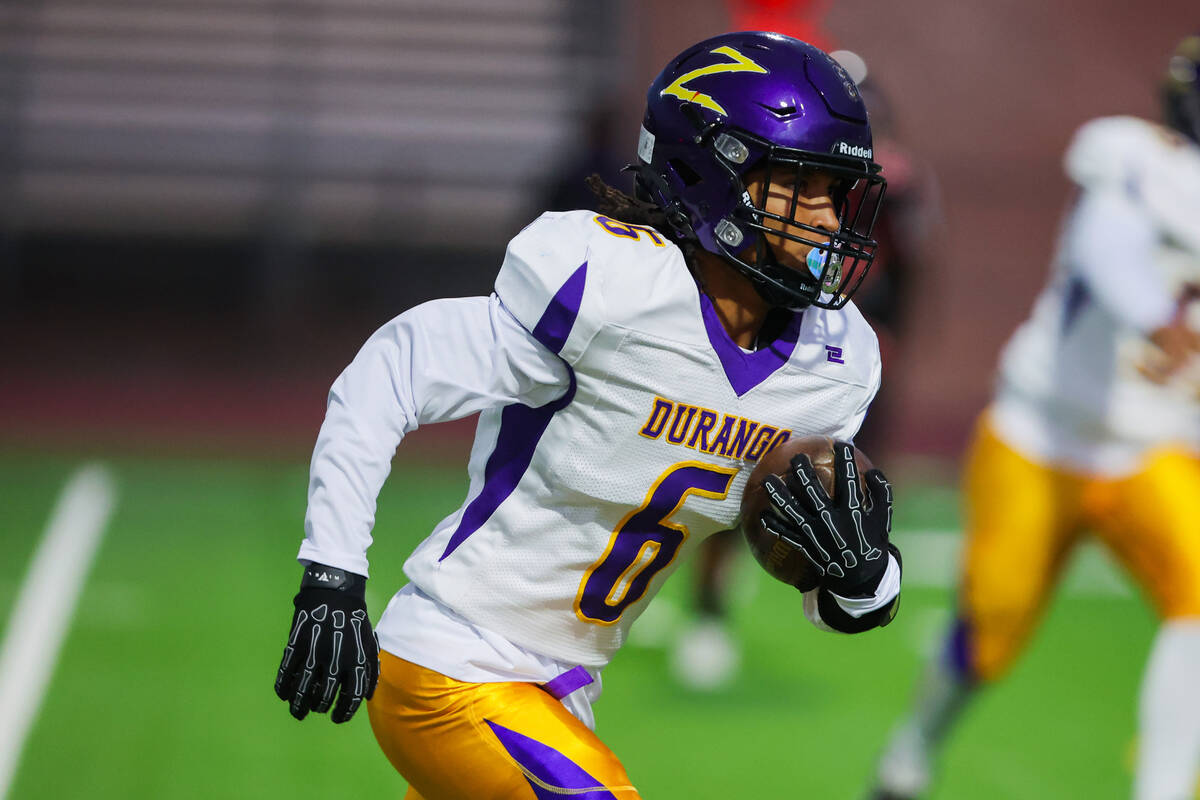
x=1095, y=406
x=629, y=370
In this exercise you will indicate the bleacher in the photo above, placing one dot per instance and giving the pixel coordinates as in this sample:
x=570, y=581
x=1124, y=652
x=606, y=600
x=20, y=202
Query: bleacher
x=326, y=120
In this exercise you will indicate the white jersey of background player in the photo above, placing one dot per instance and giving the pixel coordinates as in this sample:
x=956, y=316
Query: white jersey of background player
x=629, y=371
x=1096, y=406
x=1079, y=381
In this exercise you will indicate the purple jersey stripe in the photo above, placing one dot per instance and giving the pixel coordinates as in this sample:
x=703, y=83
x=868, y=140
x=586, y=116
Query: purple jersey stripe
x=521, y=426
x=1074, y=301
x=575, y=678
x=557, y=320
x=550, y=767
x=747, y=370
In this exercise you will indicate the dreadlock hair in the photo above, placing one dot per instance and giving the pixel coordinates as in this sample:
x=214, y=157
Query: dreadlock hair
x=622, y=207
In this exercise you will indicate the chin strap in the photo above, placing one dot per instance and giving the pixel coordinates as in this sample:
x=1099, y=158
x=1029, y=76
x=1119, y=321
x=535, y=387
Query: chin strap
x=774, y=296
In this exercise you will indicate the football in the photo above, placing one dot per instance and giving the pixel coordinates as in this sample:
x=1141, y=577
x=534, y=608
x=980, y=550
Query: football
x=779, y=559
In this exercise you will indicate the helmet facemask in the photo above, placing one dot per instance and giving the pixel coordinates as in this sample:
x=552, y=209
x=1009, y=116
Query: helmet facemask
x=839, y=259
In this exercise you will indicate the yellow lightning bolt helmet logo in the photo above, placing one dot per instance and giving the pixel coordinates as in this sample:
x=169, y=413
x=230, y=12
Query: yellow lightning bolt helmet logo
x=740, y=63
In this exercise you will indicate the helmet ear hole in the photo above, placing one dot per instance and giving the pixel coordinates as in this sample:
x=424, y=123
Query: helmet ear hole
x=686, y=174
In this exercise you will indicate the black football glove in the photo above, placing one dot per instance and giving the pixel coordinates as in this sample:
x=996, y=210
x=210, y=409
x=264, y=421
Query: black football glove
x=331, y=646
x=845, y=538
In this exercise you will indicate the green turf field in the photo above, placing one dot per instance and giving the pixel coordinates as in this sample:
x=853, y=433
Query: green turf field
x=163, y=688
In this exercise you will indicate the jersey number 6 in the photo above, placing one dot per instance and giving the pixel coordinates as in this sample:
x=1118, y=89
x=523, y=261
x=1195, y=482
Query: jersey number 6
x=645, y=542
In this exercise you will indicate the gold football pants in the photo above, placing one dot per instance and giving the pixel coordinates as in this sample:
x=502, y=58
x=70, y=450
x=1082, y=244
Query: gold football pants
x=487, y=741
x=1023, y=519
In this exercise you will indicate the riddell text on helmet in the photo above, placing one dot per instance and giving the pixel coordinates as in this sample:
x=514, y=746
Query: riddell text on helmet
x=855, y=150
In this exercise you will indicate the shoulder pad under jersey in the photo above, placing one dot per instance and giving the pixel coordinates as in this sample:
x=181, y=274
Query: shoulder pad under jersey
x=544, y=283
x=1151, y=165
x=557, y=272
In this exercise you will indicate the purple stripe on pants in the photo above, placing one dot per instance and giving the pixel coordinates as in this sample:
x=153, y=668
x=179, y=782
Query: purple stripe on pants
x=550, y=767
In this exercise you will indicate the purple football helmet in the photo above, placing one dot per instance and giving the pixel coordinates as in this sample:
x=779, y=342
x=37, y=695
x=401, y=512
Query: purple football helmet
x=742, y=102
x=1181, y=90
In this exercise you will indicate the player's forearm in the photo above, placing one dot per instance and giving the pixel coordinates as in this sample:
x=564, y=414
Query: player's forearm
x=1110, y=245
x=350, y=463
x=370, y=408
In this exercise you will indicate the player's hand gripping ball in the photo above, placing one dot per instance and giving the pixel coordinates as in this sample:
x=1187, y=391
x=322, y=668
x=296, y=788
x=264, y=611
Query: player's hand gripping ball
x=816, y=512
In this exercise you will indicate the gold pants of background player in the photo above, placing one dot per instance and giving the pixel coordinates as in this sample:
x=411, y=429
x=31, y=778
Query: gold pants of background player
x=487, y=741
x=1023, y=519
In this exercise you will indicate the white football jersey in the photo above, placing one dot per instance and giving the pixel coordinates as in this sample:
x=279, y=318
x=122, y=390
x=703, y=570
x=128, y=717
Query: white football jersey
x=1071, y=388
x=598, y=475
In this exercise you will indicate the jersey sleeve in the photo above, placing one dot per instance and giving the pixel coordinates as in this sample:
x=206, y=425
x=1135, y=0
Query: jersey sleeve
x=549, y=284
x=1170, y=190
x=440, y=361
x=1109, y=243
x=1154, y=167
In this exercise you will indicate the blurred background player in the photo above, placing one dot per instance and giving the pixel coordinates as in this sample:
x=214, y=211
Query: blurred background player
x=1096, y=406
x=626, y=386
x=706, y=653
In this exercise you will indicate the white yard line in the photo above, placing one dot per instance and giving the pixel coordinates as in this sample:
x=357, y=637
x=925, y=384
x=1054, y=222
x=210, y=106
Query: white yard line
x=45, y=605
